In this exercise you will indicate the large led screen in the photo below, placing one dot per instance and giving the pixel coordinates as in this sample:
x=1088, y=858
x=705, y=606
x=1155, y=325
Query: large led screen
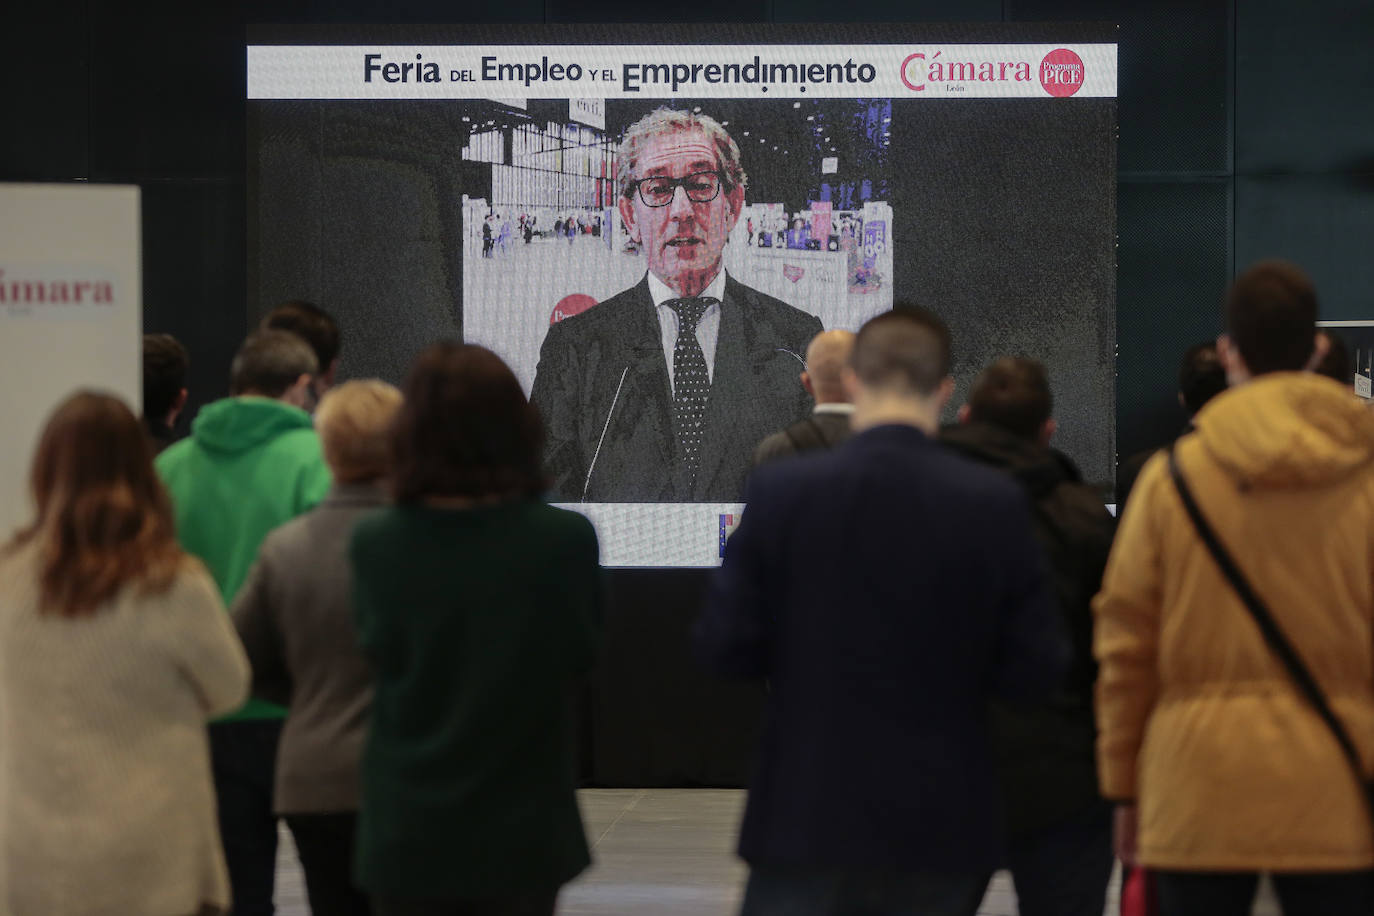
x=567, y=197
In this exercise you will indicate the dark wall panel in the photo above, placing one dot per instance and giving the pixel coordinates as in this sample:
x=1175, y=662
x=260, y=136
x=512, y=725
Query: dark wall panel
x=1304, y=84
x=166, y=95
x=45, y=69
x=368, y=12
x=621, y=11
x=1174, y=86
x=888, y=11
x=1172, y=273
x=193, y=285
x=659, y=717
x=1323, y=222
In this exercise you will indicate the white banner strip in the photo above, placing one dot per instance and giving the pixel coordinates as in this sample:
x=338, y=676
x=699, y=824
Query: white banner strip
x=661, y=534
x=1001, y=71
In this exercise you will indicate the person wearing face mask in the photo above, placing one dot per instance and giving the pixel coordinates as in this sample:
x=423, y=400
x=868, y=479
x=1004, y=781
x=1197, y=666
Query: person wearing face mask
x=660, y=393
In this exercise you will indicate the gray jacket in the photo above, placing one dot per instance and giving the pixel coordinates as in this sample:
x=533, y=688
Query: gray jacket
x=295, y=617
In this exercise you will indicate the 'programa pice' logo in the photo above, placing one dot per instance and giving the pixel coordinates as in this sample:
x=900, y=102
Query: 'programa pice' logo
x=1061, y=73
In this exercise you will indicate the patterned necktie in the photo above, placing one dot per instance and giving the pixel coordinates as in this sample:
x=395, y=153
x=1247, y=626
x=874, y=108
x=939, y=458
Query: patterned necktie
x=691, y=382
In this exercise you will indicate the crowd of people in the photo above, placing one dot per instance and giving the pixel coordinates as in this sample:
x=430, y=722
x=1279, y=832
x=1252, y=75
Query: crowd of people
x=969, y=664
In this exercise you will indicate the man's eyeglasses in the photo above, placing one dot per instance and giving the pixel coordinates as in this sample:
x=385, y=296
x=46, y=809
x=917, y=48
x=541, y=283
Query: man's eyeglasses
x=701, y=187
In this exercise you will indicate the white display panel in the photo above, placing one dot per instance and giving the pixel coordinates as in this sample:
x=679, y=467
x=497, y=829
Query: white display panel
x=70, y=313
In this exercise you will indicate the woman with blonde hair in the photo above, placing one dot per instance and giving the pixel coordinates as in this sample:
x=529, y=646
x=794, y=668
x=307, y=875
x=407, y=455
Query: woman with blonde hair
x=114, y=651
x=295, y=617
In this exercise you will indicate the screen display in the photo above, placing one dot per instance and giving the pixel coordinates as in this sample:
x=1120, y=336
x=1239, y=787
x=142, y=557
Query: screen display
x=650, y=234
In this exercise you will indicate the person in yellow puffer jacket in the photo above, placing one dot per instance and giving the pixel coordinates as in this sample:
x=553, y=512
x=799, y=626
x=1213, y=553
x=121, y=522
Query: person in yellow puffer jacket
x=1231, y=771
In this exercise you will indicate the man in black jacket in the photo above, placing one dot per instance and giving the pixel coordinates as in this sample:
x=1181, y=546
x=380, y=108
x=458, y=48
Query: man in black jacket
x=828, y=425
x=1060, y=849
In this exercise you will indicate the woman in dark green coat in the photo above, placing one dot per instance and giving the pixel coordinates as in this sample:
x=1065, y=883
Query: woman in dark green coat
x=478, y=605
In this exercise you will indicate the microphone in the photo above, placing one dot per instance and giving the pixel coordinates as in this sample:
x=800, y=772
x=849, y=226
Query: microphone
x=586, y=485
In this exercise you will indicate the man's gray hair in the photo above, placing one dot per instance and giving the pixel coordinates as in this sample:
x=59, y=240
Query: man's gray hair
x=665, y=120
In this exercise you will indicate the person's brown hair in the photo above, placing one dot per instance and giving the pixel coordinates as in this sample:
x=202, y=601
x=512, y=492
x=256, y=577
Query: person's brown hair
x=270, y=362
x=104, y=519
x=309, y=322
x=1014, y=394
x=1271, y=315
x=165, y=364
x=465, y=429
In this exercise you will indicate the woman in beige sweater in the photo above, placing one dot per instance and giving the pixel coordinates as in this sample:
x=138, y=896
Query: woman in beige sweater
x=114, y=650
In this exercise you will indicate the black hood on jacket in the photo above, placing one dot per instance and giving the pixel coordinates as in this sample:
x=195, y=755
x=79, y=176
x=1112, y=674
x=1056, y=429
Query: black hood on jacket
x=1045, y=752
x=1036, y=467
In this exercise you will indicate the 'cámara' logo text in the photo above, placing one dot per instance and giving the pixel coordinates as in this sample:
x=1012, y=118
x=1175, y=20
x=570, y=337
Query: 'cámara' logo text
x=58, y=288
x=920, y=71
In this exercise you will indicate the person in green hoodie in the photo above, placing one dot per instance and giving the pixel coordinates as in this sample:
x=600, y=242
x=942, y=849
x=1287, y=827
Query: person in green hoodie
x=251, y=463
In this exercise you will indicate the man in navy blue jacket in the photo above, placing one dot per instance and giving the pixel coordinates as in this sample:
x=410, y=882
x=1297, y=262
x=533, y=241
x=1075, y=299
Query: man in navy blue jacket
x=886, y=589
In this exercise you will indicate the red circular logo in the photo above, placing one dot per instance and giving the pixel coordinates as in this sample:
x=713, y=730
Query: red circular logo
x=1061, y=73
x=570, y=305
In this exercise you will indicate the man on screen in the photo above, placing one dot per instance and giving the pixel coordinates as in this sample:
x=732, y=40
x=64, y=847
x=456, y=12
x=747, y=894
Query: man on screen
x=660, y=393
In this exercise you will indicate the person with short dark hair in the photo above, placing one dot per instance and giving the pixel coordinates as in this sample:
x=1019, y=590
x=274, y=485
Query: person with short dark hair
x=886, y=589
x=1201, y=377
x=318, y=329
x=1013, y=394
x=1060, y=830
x=114, y=650
x=165, y=364
x=251, y=463
x=478, y=606
x=1201, y=728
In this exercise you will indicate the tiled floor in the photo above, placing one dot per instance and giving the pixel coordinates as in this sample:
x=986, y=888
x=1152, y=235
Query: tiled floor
x=657, y=852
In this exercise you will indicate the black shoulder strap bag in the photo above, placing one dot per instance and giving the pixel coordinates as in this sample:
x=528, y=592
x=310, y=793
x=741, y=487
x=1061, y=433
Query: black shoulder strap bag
x=1278, y=643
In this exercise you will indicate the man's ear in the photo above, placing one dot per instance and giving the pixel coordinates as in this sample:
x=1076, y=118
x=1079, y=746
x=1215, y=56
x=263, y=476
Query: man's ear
x=1047, y=431
x=1229, y=355
x=326, y=378
x=806, y=383
x=178, y=405
x=298, y=394
x=945, y=391
x=627, y=213
x=1320, y=347
x=963, y=414
x=850, y=381
x=734, y=206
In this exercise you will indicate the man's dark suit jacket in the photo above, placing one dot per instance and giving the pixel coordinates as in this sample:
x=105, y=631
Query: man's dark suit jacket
x=886, y=589
x=602, y=389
